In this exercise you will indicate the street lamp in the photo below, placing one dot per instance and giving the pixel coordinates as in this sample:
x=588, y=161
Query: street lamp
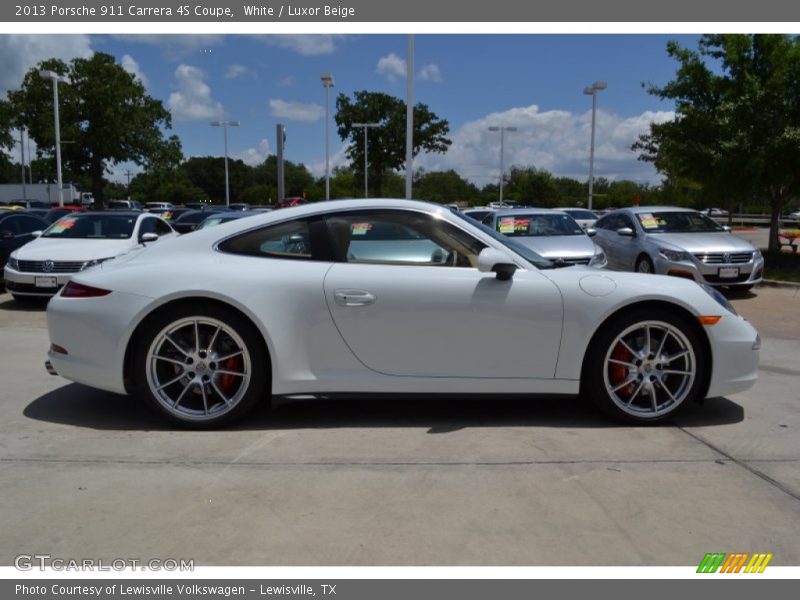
x=56, y=79
x=592, y=91
x=366, y=126
x=225, y=125
x=327, y=83
x=502, y=130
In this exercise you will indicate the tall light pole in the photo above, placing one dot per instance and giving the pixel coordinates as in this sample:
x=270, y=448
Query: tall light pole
x=502, y=130
x=56, y=79
x=327, y=83
x=22, y=161
x=366, y=127
x=592, y=91
x=409, y=115
x=225, y=125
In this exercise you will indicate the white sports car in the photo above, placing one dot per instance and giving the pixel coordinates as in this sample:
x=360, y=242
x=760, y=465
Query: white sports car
x=387, y=296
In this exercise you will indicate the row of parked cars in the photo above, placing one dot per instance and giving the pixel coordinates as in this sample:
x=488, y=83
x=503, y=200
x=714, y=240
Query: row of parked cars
x=40, y=249
x=647, y=239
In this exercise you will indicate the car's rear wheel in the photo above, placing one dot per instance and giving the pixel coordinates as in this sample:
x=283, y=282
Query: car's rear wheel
x=645, y=366
x=201, y=366
x=645, y=265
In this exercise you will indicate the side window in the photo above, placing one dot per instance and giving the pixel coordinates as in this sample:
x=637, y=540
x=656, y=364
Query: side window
x=11, y=224
x=26, y=224
x=147, y=226
x=161, y=227
x=292, y=239
x=395, y=237
x=625, y=221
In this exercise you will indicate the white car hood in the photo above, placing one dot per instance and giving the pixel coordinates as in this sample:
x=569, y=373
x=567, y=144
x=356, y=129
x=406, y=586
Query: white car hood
x=72, y=250
x=697, y=243
x=559, y=246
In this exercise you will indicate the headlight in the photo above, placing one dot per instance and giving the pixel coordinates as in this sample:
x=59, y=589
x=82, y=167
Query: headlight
x=717, y=295
x=13, y=263
x=674, y=255
x=598, y=260
x=757, y=254
x=93, y=263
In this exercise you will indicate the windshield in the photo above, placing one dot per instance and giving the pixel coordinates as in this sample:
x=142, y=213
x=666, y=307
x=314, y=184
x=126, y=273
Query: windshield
x=525, y=252
x=677, y=222
x=540, y=225
x=100, y=227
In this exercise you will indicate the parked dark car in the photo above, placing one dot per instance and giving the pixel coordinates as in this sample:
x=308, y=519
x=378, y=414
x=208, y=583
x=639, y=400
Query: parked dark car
x=54, y=214
x=189, y=221
x=29, y=203
x=169, y=214
x=124, y=205
x=37, y=212
x=16, y=229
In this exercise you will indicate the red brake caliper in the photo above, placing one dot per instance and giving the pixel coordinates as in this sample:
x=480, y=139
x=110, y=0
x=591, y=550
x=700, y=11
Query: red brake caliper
x=227, y=380
x=619, y=373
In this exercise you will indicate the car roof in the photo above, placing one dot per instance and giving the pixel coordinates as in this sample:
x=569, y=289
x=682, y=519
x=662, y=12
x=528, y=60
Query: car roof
x=649, y=209
x=527, y=211
x=114, y=213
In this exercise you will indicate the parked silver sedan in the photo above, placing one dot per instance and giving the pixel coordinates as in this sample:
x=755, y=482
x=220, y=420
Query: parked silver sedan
x=552, y=234
x=680, y=242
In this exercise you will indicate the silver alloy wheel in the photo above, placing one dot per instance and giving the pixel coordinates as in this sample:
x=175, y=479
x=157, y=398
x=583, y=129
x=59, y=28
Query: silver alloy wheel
x=649, y=369
x=644, y=266
x=198, y=368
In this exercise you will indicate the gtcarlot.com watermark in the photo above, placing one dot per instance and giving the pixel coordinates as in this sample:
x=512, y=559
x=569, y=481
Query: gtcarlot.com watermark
x=43, y=562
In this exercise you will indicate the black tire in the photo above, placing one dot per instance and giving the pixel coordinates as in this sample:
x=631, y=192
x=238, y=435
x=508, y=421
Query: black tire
x=599, y=374
x=236, y=331
x=28, y=299
x=645, y=265
x=742, y=288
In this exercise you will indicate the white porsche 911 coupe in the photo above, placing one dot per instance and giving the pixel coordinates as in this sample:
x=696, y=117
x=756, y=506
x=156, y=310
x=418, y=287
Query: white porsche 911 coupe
x=387, y=296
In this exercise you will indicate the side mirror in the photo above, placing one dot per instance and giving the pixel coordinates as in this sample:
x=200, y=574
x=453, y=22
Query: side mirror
x=148, y=237
x=626, y=232
x=591, y=231
x=726, y=228
x=36, y=233
x=6, y=235
x=494, y=261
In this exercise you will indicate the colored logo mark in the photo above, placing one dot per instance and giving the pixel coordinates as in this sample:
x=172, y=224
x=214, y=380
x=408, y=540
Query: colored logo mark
x=736, y=562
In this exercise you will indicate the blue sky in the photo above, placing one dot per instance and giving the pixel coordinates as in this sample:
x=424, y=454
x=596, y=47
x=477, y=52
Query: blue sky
x=533, y=82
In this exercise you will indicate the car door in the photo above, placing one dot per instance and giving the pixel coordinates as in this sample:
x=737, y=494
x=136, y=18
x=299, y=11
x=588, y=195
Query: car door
x=15, y=232
x=628, y=248
x=606, y=238
x=416, y=305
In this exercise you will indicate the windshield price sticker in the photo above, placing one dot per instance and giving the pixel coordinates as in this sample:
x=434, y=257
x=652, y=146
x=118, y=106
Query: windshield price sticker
x=649, y=221
x=513, y=224
x=360, y=228
x=63, y=225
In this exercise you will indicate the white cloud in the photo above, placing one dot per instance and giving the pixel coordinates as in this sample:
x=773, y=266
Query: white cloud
x=131, y=66
x=304, y=44
x=254, y=156
x=193, y=99
x=555, y=140
x=392, y=67
x=235, y=71
x=175, y=46
x=337, y=159
x=430, y=73
x=21, y=52
x=287, y=81
x=296, y=111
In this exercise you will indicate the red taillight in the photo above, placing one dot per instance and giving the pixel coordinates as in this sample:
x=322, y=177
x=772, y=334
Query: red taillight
x=78, y=290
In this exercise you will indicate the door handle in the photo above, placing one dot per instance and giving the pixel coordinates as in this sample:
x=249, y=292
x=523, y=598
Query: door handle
x=353, y=297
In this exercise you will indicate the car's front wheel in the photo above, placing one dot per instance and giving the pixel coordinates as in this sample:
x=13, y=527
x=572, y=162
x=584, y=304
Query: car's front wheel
x=201, y=366
x=645, y=366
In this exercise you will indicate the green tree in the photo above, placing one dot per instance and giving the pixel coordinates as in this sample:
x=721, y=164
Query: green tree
x=387, y=141
x=737, y=126
x=105, y=113
x=529, y=185
x=444, y=187
x=298, y=181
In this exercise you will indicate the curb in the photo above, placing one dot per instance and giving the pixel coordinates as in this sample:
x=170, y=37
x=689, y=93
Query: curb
x=779, y=284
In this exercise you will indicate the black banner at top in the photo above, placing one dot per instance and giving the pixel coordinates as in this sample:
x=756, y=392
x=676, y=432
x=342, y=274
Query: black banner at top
x=441, y=11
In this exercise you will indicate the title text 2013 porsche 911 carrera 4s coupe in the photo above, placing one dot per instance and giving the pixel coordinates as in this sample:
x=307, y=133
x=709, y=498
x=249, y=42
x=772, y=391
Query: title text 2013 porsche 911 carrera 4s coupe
x=387, y=296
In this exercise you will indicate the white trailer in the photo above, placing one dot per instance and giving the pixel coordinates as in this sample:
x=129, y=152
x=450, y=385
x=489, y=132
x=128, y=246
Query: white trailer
x=43, y=192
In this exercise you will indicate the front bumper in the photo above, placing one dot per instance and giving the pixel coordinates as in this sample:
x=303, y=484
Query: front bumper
x=747, y=274
x=30, y=284
x=735, y=347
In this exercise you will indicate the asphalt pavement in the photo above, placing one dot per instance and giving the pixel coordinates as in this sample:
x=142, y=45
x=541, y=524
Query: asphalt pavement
x=88, y=474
